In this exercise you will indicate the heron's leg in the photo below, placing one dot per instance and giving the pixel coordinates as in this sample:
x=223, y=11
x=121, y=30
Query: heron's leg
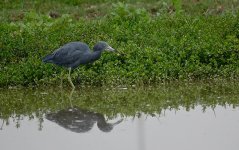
x=70, y=96
x=69, y=79
x=61, y=79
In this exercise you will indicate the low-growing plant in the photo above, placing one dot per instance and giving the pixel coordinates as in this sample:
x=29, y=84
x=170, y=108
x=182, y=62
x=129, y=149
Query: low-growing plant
x=155, y=49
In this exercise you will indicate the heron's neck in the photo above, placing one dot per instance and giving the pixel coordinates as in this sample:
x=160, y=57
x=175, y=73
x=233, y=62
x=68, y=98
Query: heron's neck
x=95, y=55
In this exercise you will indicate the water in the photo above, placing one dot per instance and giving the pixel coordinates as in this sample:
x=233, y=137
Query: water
x=188, y=116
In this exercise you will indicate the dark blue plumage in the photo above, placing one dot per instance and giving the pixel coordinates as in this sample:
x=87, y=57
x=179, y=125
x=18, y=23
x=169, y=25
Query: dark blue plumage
x=73, y=54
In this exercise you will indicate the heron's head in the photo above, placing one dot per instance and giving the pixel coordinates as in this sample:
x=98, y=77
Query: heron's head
x=100, y=46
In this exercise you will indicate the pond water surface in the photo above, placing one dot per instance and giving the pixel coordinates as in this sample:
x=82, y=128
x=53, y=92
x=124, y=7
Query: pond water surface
x=173, y=116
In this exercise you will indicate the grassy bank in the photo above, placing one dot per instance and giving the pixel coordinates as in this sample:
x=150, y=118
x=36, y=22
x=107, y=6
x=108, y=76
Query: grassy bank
x=157, y=46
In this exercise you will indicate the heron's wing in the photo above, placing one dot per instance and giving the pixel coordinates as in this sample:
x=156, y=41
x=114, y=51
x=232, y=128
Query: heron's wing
x=69, y=53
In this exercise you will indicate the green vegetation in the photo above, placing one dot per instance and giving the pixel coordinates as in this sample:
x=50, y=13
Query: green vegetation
x=161, y=41
x=112, y=102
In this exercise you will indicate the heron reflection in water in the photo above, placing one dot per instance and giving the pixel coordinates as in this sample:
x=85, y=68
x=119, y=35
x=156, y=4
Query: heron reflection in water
x=80, y=120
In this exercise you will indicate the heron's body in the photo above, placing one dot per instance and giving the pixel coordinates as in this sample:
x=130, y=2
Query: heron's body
x=73, y=54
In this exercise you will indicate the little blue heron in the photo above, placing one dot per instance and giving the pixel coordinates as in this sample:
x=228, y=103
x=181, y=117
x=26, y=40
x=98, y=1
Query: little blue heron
x=73, y=54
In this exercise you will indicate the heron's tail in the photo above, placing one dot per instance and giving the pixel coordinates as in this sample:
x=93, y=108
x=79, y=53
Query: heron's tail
x=47, y=58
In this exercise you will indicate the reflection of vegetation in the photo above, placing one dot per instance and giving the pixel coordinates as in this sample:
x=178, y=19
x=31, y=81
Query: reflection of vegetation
x=117, y=101
x=158, y=45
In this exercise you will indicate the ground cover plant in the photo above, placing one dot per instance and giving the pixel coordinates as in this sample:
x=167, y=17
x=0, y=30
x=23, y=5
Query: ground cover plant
x=159, y=41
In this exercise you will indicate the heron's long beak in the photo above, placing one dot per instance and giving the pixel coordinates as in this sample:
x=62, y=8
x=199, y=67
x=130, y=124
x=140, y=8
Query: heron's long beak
x=110, y=49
